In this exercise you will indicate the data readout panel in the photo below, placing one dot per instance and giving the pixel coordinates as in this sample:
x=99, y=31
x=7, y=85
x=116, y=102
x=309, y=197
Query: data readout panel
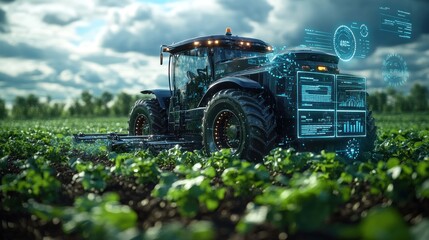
x=331, y=105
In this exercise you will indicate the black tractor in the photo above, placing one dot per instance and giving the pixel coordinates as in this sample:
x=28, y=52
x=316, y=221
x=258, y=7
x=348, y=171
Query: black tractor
x=234, y=92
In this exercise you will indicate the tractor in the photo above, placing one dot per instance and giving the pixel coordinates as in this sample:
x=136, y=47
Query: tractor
x=239, y=93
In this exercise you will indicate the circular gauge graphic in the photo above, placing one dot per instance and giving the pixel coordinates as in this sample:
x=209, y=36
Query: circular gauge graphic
x=395, y=70
x=364, y=30
x=344, y=43
x=352, y=149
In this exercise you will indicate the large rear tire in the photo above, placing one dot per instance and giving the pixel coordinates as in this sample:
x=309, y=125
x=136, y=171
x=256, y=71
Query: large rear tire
x=147, y=118
x=240, y=121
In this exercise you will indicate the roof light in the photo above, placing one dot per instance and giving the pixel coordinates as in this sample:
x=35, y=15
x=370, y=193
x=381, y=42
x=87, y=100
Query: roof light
x=306, y=68
x=228, y=31
x=216, y=41
x=196, y=43
x=248, y=44
x=322, y=68
x=209, y=42
x=241, y=43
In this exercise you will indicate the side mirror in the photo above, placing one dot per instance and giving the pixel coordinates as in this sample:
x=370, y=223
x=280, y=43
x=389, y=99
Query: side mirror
x=163, y=48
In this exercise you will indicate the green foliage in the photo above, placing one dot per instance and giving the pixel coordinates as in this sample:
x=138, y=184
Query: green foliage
x=305, y=205
x=93, y=216
x=3, y=110
x=92, y=176
x=143, y=167
x=189, y=194
x=35, y=181
x=245, y=178
x=380, y=197
x=287, y=161
x=197, y=230
x=392, y=101
x=384, y=224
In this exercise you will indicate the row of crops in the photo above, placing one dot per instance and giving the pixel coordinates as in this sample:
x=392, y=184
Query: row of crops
x=52, y=187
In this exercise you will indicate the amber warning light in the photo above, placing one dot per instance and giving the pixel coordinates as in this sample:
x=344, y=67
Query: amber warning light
x=228, y=31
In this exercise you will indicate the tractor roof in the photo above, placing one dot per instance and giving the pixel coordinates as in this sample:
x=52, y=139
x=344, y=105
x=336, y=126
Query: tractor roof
x=226, y=40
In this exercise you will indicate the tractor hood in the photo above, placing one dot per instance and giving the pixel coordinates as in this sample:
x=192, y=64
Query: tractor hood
x=280, y=64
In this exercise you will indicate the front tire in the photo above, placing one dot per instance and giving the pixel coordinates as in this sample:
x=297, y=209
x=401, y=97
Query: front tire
x=147, y=118
x=240, y=121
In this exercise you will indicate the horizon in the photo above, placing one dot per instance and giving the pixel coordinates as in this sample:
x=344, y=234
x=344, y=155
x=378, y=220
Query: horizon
x=60, y=49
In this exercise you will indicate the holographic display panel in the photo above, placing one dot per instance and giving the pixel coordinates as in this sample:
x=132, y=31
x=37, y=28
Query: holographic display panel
x=316, y=124
x=316, y=91
x=330, y=105
x=344, y=43
x=396, y=20
x=351, y=93
x=363, y=45
x=395, y=70
x=318, y=40
x=348, y=41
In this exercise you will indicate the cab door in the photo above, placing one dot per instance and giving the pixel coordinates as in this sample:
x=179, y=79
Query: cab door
x=191, y=77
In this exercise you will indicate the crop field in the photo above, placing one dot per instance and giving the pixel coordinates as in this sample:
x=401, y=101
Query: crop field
x=52, y=187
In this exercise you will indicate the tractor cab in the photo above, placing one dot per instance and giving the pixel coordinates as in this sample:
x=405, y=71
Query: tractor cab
x=224, y=54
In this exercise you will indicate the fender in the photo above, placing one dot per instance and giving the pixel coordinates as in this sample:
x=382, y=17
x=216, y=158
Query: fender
x=229, y=83
x=162, y=95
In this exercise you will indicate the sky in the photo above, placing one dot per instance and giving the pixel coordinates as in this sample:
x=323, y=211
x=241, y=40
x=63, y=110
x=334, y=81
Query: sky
x=61, y=48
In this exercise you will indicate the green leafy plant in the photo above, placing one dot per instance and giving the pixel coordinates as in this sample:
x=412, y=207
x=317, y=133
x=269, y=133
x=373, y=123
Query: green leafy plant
x=92, y=176
x=189, y=194
x=245, y=177
x=304, y=206
x=92, y=216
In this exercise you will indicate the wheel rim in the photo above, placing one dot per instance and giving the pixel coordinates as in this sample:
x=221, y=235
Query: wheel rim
x=227, y=131
x=141, y=125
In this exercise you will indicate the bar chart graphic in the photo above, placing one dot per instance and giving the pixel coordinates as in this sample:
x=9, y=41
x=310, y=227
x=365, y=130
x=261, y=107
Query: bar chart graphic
x=353, y=127
x=351, y=123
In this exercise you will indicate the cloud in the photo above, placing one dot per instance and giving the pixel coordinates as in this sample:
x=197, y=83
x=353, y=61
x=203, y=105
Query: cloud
x=416, y=61
x=20, y=50
x=63, y=47
x=131, y=28
x=3, y=22
x=256, y=11
x=59, y=19
x=104, y=59
x=288, y=19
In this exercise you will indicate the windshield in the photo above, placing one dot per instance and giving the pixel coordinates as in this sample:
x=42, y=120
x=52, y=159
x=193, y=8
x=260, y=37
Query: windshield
x=226, y=54
x=232, y=60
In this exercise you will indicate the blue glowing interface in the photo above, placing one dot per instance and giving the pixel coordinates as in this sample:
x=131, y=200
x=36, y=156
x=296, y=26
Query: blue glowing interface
x=347, y=41
x=351, y=93
x=318, y=40
x=330, y=105
x=316, y=91
x=316, y=124
x=363, y=45
x=396, y=21
x=351, y=124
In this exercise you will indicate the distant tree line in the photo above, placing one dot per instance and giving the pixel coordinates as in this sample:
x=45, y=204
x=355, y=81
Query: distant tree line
x=392, y=101
x=88, y=105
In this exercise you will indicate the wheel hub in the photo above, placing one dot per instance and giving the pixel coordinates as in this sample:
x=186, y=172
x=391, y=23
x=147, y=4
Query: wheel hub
x=227, y=133
x=141, y=125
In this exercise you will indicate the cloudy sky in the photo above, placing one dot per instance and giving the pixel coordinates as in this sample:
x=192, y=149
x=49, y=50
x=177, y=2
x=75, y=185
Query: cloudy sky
x=60, y=48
